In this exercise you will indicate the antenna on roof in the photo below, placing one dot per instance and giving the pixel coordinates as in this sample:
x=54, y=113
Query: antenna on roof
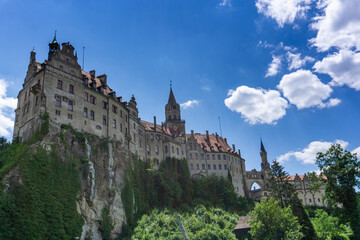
x=220, y=127
x=83, y=66
x=170, y=83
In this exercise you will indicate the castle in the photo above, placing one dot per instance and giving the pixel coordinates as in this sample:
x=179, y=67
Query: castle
x=85, y=101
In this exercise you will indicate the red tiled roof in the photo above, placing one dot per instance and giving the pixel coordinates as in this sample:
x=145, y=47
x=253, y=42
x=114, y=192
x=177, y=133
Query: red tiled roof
x=107, y=90
x=150, y=127
x=215, y=143
x=243, y=223
x=292, y=177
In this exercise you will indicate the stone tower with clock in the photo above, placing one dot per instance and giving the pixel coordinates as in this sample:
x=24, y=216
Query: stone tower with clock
x=173, y=117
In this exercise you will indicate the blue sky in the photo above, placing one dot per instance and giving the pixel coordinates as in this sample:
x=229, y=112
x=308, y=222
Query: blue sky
x=287, y=71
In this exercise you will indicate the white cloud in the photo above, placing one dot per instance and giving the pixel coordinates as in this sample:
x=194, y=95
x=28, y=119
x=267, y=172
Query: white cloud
x=308, y=154
x=274, y=66
x=189, y=104
x=357, y=151
x=257, y=105
x=343, y=67
x=295, y=61
x=283, y=11
x=224, y=3
x=304, y=89
x=7, y=107
x=339, y=26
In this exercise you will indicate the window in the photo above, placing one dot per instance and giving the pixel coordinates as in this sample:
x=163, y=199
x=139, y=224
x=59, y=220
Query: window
x=67, y=60
x=224, y=157
x=126, y=131
x=134, y=137
x=148, y=148
x=69, y=116
x=220, y=168
x=197, y=167
x=190, y=156
x=59, y=85
x=318, y=199
x=225, y=167
x=120, y=127
x=191, y=166
x=114, y=108
x=157, y=149
x=172, y=149
x=92, y=115
x=85, y=112
x=37, y=100
x=209, y=167
x=92, y=99
x=72, y=72
x=104, y=105
x=71, y=89
x=121, y=113
x=203, y=166
x=177, y=151
x=151, y=136
x=207, y=156
x=58, y=101
x=57, y=112
x=166, y=149
x=134, y=126
x=104, y=120
x=309, y=199
x=70, y=105
x=114, y=123
x=213, y=157
x=214, y=167
x=126, y=119
x=61, y=67
x=219, y=157
x=86, y=97
x=196, y=156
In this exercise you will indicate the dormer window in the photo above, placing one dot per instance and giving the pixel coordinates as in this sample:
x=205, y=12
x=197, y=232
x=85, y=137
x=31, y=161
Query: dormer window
x=61, y=67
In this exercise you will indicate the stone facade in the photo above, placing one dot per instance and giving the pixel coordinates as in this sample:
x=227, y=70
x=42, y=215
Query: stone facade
x=85, y=101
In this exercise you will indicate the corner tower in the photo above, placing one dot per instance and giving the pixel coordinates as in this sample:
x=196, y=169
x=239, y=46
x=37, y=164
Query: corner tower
x=173, y=116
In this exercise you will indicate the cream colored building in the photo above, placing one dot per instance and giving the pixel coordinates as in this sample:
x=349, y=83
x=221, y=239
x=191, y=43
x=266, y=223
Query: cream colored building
x=71, y=96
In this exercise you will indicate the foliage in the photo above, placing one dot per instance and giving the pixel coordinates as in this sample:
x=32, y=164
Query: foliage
x=42, y=205
x=106, y=225
x=328, y=227
x=280, y=187
x=341, y=168
x=171, y=187
x=3, y=143
x=201, y=224
x=271, y=221
x=285, y=192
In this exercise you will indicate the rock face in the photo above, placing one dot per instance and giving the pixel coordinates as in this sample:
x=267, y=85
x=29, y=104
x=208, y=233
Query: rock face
x=102, y=187
x=101, y=166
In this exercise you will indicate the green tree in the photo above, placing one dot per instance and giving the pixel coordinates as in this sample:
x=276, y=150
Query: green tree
x=271, y=221
x=341, y=168
x=279, y=184
x=327, y=227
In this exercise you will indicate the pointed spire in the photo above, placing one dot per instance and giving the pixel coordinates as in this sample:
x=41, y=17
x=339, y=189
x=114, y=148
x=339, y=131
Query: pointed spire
x=171, y=100
x=54, y=40
x=262, y=148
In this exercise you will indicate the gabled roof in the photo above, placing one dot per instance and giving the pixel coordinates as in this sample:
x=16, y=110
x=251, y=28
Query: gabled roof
x=243, y=223
x=150, y=127
x=107, y=89
x=292, y=177
x=215, y=143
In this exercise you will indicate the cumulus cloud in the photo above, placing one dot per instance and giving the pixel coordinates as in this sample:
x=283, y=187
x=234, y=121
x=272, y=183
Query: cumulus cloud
x=7, y=107
x=257, y=105
x=274, y=66
x=295, y=61
x=283, y=11
x=304, y=89
x=308, y=154
x=189, y=104
x=339, y=26
x=343, y=67
x=357, y=151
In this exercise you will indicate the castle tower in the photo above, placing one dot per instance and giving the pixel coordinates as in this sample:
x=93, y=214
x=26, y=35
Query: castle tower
x=264, y=162
x=53, y=47
x=173, y=116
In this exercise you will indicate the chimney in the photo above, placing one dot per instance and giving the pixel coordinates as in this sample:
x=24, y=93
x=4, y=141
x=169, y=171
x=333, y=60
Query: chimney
x=234, y=147
x=239, y=153
x=92, y=74
x=162, y=126
x=154, y=123
x=216, y=135
x=192, y=133
x=225, y=140
x=207, y=136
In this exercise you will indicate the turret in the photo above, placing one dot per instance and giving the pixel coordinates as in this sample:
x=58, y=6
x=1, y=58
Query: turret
x=53, y=47
x=172, y=108
x=264, y=162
